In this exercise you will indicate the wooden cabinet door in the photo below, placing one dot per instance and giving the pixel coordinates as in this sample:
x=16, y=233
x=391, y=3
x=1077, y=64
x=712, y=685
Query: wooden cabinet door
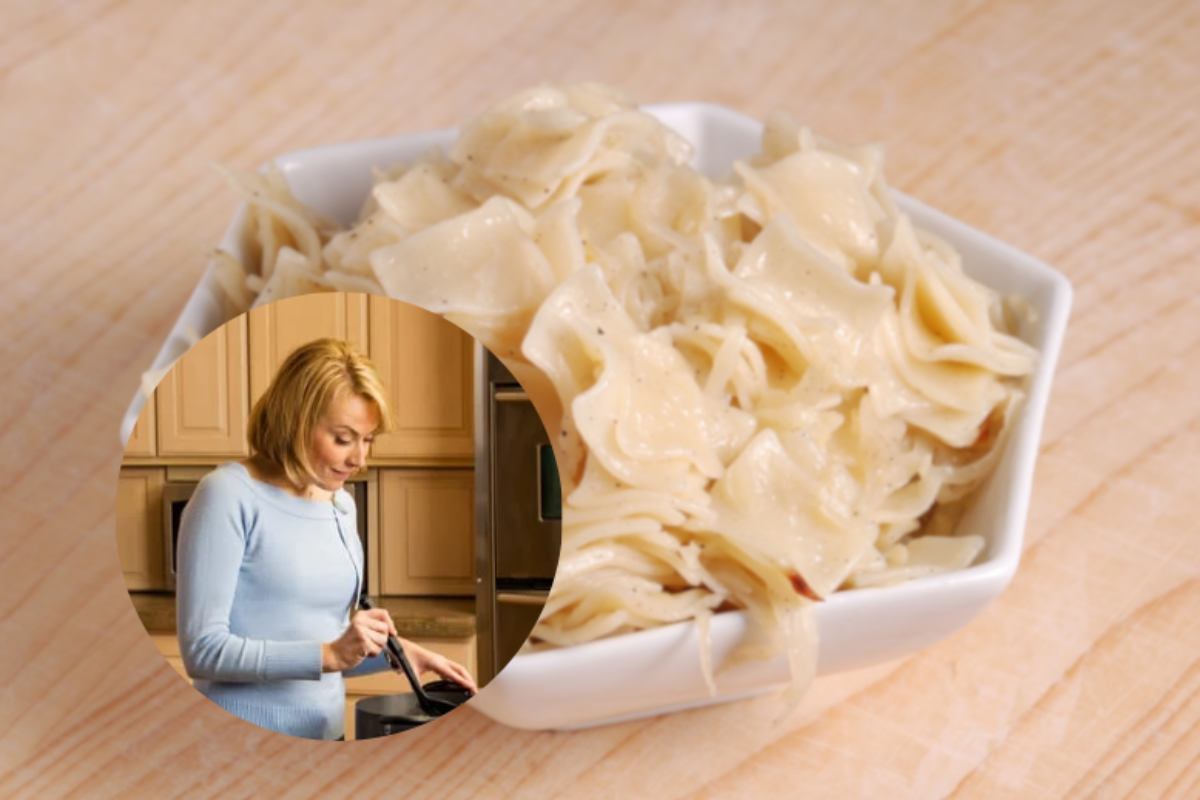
x=168, y=648
x=426, y=532
x=279, y=328
x=426, y=364
x=142, y=440
x=139, y=527
x=202, y=401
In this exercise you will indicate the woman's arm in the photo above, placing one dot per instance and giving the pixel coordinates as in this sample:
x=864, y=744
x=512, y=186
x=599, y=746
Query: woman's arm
x=425, y=660
x=212, y=541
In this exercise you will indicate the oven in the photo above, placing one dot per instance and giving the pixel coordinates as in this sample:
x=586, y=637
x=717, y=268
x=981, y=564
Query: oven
x=177, y=493
x=518, y=514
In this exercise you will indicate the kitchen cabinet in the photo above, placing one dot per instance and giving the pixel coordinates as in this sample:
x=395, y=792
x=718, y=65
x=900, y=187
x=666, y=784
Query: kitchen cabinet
x=427, y=365
x=276, y=329
x=200, y=409
x=141, y=442
x=168, y=647
x=139, y=527
x=427, y=532
x=202, y=402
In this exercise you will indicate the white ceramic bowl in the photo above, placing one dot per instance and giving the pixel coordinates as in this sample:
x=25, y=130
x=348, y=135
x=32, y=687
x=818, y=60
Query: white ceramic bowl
x=657, y=671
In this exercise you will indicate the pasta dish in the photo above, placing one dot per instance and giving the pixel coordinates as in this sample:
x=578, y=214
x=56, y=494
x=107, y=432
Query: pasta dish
x=761, y=388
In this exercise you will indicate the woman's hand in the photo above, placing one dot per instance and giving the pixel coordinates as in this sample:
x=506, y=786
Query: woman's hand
x=424, y=660
x=366, y=636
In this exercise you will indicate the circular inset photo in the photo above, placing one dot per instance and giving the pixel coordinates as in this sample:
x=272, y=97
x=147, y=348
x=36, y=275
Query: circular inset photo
x=338, y=516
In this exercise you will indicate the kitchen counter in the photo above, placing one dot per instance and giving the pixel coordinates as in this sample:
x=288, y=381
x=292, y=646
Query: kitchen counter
x=1068, y=129
x=415, y=617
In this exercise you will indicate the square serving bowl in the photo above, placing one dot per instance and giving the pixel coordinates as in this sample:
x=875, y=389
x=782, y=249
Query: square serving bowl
x=658, y=670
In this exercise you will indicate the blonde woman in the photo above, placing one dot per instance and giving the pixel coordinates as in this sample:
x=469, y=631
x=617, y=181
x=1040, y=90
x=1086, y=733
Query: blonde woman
x=270, y=563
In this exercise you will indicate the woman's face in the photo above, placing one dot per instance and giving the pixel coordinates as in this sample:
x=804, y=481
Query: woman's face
x=340, y=440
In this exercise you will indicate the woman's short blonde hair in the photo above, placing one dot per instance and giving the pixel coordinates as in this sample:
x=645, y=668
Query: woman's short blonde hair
x=308, y=382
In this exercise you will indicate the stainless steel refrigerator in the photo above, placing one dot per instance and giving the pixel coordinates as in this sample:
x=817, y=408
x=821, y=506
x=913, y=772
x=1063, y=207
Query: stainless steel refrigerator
x=518, y=514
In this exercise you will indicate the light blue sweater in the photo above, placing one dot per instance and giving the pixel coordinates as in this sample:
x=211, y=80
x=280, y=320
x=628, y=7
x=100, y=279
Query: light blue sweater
x=264, y=578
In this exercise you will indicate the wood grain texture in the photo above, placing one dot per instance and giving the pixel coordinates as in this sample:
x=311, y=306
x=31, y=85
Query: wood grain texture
x=1070, y=129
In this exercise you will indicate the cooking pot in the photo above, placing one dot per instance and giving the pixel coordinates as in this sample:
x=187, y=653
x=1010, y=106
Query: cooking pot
x=394, y=713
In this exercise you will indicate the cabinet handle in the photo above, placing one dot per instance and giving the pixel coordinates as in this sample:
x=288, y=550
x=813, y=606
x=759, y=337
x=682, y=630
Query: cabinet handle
x=522, y=598
x=510, y=395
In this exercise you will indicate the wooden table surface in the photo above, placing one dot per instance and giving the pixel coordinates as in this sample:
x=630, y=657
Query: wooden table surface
x=1070, y=129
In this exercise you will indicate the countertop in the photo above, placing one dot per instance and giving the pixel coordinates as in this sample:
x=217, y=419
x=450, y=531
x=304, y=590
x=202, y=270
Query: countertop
x=1068, y=129
x=415, y=617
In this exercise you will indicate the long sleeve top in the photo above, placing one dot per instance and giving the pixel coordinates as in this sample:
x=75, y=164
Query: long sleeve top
x=264, y=578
